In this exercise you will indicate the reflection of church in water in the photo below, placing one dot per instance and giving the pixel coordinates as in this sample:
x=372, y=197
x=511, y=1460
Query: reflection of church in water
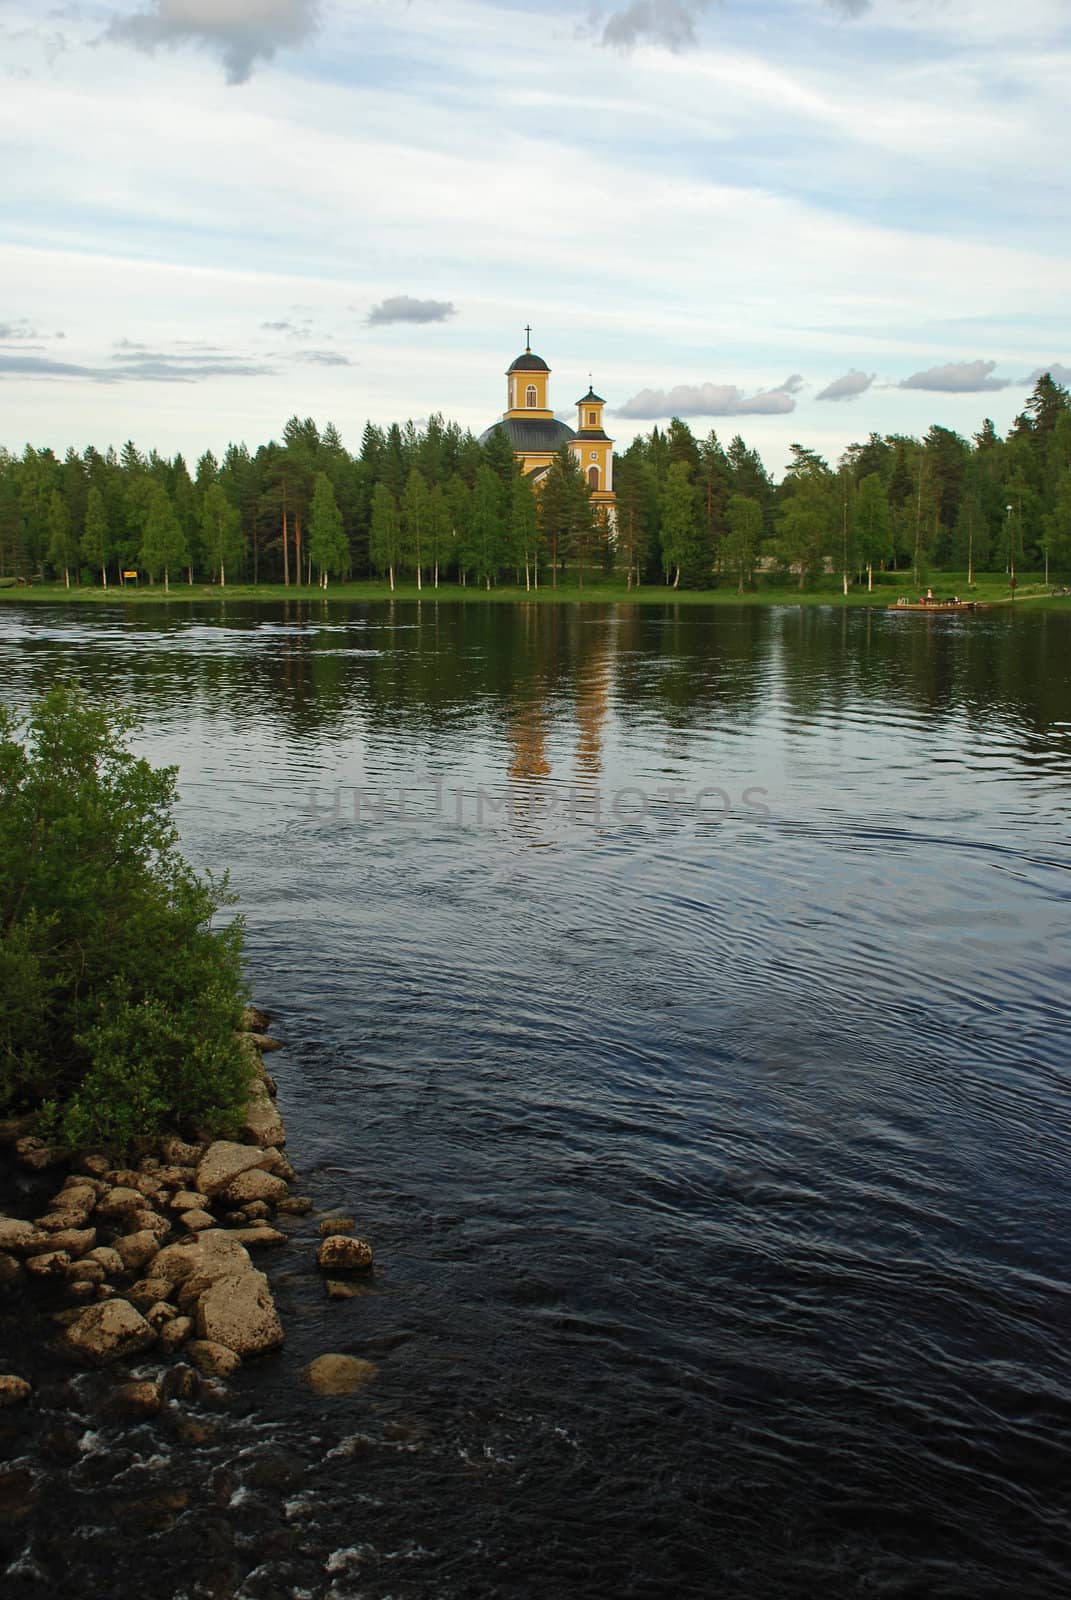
x=536, y=434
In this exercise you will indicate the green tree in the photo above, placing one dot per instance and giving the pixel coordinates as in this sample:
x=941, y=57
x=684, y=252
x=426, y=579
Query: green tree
x=438, y=529
x=488, y=526
x=524, y=530
x=873, y=524
x=62, y=544
x=95, y=534
x=385, y=538
x=118, y=996
x=630, y=478
x=328, y=549
x=163, y=545
x=741, y=543
x=682, y=544
x=221, y=532
x=414, y=509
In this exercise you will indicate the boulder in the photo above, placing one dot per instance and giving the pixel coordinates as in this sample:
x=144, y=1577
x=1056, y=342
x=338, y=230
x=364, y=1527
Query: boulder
x=253, y=1238
x=148, y=1222
x=75, y=1240
x=333, y=1374
x=131, y=1402
x=180, y=1154
x=82, y=1288
x=254, y=1185
x=12, y=1389
x=187, y=1200
x=136, y=1250
x=50, y=1264
x=298, y=1205
x=222, y=1163
x=344, y=1288
x=147, y=1291
x=213, y=1359
x=119, y=1202
x=336, y=1225
x=93, y=1165
x=148, y=1184
x=239, y=1312
x=109, y=1332
x=265, y=1043
x=261, y=1124
x=253, y=1020
x=257, y=1211
x=212, y=1255
x=75, y=1204
x=160, y=1313
x=37, y=1155
x=197, y=1221
x=340, y=1253
x=10, y=1270
x=176, y=1177
x=109, y=1259
x=21, y=1237
x=85, y=1272
x=174, y=1334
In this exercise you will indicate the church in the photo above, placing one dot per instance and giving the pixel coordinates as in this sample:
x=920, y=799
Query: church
x=536, y=434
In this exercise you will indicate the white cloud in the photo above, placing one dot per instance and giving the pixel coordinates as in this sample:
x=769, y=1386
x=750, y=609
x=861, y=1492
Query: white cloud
x=403, y=308
x=240, y=32
x=957, y=377
x=711, y=400
x=1055, y=370
x=666, y=22
x=849, y=387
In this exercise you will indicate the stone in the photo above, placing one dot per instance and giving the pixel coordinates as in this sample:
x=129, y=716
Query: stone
x=109, y=1259
x=257, y=1211
x=10, y=1270
x=213, y=1359
x=336, y=1225
x=176, y=1177
x=187, y=1200
x=254, y=1185
x=343, y=1254
x=119, y=1202
x=180, y=1383
x=136, y=1250
x=261, y=1123
x=178, y=1153
x=222, y=1162
x=236, y=1219
x=333, y=1374
x=238, y=1311
x=13, y=1390
x=134, y=1401
x=75, y=1203
x=253, y=1020
x=213, y=1254
x=37, y=1155
x=173, y=1334
x=50, y=1264
x=298, y=1205
x=343, y=1288
x=85, y=1272
x=197, y=1221
x=75, y=1240
x=147, y=1291
x=148, y=1222
x=253, y=1238
x=82, y=1288
x=109, y=1331
x=20, y=1237
x=265, y=1043
x=148, y=1184
x=163, y=1311
x=94, y=1165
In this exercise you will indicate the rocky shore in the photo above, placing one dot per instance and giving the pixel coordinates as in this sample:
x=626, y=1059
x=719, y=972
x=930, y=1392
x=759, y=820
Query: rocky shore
x=157, y=1257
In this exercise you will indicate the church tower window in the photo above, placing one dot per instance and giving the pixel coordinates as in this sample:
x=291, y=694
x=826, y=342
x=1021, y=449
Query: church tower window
x=531, y=398
x=593, y=477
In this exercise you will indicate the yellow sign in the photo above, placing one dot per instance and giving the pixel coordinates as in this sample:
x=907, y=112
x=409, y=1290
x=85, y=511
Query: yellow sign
x=129, y=574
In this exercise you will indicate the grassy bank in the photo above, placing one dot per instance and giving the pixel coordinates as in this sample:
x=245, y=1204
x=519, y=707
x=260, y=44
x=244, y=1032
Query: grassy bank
x=991, y=588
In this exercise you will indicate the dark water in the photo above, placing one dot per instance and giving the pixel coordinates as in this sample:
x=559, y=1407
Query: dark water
x=701, y=1074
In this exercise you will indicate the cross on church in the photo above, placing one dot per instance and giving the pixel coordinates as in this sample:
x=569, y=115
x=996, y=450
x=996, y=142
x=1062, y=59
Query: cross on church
x=528, y=337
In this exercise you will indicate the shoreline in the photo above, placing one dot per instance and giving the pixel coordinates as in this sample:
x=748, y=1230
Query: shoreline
x=992, y=593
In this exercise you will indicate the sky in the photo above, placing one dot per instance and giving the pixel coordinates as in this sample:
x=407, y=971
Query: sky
x=797, y=220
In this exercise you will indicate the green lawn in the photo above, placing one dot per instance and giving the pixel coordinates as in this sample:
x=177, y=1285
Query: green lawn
x=989, y=587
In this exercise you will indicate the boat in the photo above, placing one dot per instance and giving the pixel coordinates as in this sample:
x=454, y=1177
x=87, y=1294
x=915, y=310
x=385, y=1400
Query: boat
x=939, y=605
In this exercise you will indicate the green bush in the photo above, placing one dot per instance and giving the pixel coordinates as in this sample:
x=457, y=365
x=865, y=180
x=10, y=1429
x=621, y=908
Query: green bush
x=118, y=997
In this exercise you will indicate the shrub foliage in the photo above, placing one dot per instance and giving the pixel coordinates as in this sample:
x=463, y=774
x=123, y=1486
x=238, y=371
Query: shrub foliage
x=118, y=996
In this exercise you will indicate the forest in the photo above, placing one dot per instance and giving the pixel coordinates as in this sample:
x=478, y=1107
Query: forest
x=429, y=504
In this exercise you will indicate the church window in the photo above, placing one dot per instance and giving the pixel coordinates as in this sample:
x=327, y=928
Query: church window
x=591, y=419
x=531, y=398
x=593, y=477
x=594, y=455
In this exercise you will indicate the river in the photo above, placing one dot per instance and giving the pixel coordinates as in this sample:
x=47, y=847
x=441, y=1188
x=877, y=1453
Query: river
x=678, y=999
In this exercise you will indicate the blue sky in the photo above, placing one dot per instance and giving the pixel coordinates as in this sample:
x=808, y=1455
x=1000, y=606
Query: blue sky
x=792, y=219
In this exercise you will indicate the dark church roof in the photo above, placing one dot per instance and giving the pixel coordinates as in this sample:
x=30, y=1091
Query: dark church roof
x=592, y=396
x=528, y=363
x=528, y=434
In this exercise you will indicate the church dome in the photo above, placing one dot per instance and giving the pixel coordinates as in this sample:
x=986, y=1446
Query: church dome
x=528, y=363
x=529, y=435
